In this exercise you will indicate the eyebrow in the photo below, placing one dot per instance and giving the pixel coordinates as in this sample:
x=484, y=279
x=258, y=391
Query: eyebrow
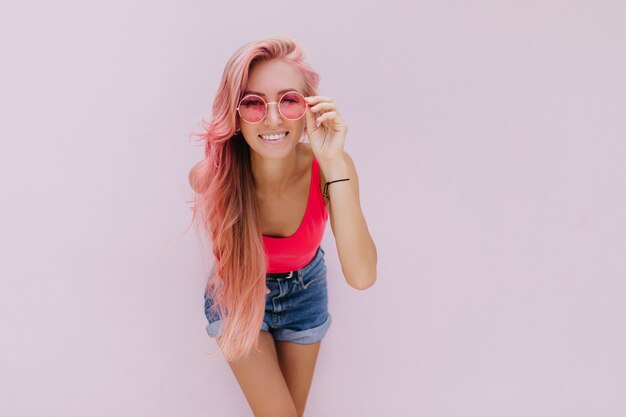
x=261, y=94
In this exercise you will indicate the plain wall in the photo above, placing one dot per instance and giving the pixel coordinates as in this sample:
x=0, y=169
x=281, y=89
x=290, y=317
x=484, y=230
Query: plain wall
x=489, y=138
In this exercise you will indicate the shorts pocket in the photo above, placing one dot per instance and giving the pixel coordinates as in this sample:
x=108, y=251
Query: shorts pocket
x=315, y=277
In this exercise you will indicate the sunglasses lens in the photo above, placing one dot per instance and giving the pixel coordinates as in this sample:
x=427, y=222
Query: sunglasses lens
x=252, y=109
x=292, y=106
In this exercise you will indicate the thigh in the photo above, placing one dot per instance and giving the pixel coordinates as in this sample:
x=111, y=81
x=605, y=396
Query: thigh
x=297, y=362
x=262, y=381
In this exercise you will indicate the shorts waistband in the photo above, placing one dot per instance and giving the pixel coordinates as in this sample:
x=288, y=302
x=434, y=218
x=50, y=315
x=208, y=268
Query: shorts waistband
x=283, y=275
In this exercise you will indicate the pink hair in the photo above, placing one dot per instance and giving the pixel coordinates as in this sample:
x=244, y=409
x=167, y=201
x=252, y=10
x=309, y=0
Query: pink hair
x=226, y=199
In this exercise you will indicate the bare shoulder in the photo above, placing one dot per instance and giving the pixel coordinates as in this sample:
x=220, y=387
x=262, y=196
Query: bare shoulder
x=194, y=179
x=306, y=149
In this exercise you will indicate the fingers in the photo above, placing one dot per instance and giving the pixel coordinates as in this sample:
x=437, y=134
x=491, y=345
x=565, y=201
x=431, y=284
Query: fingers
x=323, y=106
x=310, y=121
x=318, y=103
x=326, y=116
x=317, y=99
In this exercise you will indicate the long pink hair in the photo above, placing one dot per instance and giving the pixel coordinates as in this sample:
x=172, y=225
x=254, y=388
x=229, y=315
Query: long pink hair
x=226, y=200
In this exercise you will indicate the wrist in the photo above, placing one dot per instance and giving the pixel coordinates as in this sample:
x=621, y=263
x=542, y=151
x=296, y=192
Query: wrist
x=334, y=170
x=335, y=173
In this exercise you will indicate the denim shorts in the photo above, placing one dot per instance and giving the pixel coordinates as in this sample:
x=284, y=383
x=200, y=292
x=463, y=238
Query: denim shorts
x=296, y=308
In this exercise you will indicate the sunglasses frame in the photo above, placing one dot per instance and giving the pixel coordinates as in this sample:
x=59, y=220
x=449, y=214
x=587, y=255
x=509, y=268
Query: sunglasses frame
x=268, y=104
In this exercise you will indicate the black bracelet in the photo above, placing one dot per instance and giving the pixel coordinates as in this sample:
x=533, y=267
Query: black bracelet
x=325, y=193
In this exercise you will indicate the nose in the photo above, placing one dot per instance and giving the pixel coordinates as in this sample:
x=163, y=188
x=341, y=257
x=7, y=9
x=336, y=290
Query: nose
x=273, y=115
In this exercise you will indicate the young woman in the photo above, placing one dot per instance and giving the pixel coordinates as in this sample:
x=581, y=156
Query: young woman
x=264, y=196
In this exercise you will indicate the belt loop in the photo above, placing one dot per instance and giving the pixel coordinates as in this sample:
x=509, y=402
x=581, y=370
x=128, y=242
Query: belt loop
x=290, y=275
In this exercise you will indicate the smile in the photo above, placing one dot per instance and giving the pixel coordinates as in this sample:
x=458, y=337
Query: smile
x=274, y=137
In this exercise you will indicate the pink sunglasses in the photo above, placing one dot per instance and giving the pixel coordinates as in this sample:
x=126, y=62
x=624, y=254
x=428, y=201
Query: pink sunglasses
x=253, y=108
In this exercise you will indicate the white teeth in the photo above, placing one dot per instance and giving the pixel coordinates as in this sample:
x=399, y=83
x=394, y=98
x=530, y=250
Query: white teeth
x=274, y=137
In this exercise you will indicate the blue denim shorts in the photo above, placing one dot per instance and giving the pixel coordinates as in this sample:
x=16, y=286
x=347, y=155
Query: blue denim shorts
x=296, y=308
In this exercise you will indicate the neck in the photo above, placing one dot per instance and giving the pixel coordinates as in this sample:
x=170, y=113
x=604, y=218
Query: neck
x=272, y=176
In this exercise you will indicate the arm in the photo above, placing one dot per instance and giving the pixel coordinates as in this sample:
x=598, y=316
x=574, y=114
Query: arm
x=357, y=252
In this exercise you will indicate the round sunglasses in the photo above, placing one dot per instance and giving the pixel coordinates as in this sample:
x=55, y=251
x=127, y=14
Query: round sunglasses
x=253, y=108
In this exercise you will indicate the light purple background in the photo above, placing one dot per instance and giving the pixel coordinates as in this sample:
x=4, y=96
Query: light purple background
x=489, y=137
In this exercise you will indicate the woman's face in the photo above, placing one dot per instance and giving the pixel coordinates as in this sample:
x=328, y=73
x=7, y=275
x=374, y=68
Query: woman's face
x=267, y=79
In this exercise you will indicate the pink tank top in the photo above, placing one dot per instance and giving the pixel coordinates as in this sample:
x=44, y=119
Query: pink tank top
x=286, y=254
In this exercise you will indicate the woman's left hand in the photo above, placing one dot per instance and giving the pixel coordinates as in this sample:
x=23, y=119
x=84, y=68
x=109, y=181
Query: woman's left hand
x=328, y=138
